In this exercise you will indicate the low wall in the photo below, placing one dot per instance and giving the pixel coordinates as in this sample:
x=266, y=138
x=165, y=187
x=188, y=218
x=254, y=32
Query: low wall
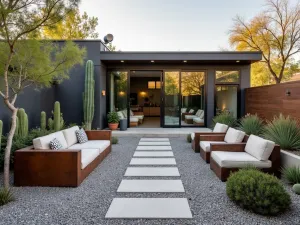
x=271, y=100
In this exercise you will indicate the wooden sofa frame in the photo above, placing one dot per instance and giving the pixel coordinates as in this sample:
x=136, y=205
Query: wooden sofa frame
x=223, y=173
x=195, y=142
x=56, y=168
x=206, y=155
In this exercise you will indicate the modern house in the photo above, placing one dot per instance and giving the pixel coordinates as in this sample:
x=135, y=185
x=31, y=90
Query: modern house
x=161, y=86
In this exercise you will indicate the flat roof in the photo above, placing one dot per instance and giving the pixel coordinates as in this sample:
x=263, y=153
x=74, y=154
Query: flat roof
x=176, y=56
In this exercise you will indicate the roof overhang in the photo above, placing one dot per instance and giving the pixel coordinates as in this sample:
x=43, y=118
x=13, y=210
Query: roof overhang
x=223, y=57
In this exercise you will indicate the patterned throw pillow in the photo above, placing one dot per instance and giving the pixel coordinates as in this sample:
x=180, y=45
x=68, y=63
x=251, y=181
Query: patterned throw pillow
x=81, y=136
x=55, y=144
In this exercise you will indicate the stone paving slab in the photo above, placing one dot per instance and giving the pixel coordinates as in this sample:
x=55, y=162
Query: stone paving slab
x=154, y=148
x=152, y=161
x=152, y=172
x=149, y=208
x=154, y=143
x=153, y=154
x=155, y=139
x=151, y=186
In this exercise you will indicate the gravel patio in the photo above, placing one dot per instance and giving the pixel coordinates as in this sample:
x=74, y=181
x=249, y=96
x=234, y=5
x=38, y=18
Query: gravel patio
x=89, y=203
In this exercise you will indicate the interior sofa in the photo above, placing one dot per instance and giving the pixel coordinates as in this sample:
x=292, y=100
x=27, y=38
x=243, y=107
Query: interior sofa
x=197, y=118
x=38, y=165
x=257, y=152
x=231, y=136
x=219, y=129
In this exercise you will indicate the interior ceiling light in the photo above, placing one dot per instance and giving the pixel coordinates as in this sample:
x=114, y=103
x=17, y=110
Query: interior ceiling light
x=122, y=61
x=152, y=61
x=185, y=61
x=238, y=61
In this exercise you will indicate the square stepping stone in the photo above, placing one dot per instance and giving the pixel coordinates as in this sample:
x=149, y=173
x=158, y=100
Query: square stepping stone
x=152, y=172
x=154, y=143
x=149, y=208
x=152, y=161
x=154, y=139
x=154, y=148
x=153, y=154
x=151, y=186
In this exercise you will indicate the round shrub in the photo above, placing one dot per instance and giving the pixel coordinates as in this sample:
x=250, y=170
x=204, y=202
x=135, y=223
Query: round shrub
x=296, y=189
x=114, y=140
x=256, y=191
x=189, y=138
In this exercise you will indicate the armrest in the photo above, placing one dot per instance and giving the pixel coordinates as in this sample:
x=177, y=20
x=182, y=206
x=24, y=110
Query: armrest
x=238, y=147
x=198, y=134
x=98, y=134
x=212, y=137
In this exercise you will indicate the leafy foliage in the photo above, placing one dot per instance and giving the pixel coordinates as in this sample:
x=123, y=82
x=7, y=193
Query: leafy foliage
x=256, y=191
x=225, y=118
x=284, y=131
x=113, y=117
x=6, y=196
x=252, y=124
x=114, y=140
x=291, y=174
x=189, y=138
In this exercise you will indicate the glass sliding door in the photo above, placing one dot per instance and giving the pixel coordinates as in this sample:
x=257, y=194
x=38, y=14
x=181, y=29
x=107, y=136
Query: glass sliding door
x=192, y=98
x=171, y=99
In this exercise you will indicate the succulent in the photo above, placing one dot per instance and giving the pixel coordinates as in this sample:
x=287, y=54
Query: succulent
x=43, y=120
x=114, y=140
x=1, y=129
x=57, y=116
x=23, y=123
x=189, y=138
x=296, y=188
x=50, y=124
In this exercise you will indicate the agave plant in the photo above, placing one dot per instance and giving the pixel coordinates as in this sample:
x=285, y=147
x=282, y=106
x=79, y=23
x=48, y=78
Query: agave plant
x=6, y=196
x=252, y=124
x=291, y=174
x=225, y=118
x=284, y=131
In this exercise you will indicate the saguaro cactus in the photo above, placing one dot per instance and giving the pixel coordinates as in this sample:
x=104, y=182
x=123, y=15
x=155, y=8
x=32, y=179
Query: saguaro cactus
x=1, y=128
x=88, y=95
x=57, y=116
x=23, y=123
x=43, y=120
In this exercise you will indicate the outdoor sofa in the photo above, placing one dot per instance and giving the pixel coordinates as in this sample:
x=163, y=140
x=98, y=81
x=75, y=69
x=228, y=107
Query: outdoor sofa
x=134, y=120
x=184, y=113
x=258, y=152
x=219, y=129
x=198, y=118
x=38, y=165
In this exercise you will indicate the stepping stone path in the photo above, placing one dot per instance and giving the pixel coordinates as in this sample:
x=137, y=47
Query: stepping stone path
x=153, y=158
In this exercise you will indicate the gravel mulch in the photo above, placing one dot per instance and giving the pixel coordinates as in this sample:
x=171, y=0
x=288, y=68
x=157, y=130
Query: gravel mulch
x=89, y=203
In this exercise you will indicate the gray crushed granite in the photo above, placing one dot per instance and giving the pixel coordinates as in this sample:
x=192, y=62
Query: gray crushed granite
x=89, y=203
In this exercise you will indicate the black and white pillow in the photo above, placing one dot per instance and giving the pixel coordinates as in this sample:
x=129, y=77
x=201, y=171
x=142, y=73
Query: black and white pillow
x=81, y=136
x=55, y=144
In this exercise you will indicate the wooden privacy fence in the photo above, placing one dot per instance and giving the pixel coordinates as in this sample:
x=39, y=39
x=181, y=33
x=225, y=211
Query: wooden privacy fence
x=269, y=101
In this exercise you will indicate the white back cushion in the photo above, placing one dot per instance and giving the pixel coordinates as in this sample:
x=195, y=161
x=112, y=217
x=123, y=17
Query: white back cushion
x=183, y=110
x=131, y=113
x=191, y=111
x=220, y=128
x=201, y=114
x=234, y=136
x=120, y=114
x=259, y=147
x=70, y=135
x=124, y=113
x=44, y=142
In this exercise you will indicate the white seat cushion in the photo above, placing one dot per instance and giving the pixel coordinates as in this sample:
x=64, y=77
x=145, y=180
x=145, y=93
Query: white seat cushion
x=205, y=145
x=134, y=119
x=140, y=117
x=238, y=160
x=70, y=135
x=259, y=147
x=44, y=142
x=120, y=114
x=193, y=136
x=189, y=117
x=198, y=120
x=234, y=136
x=220, y=128
x=93, y=144
x=87, y=156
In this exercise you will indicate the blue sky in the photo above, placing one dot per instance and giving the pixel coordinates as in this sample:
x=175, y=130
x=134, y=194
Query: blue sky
x=169, y=25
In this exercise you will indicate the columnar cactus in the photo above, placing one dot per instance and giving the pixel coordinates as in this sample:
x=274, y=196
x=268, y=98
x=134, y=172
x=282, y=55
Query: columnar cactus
x=88, y=95
x=57, y=116
x=43, y=120
x=1, y=128
x=50, y=124
x=23, y=123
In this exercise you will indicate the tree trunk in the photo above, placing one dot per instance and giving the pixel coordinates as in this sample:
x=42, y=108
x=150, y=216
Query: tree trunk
x=8, y=147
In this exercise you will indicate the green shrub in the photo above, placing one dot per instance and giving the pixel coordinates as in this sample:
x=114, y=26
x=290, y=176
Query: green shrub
x=112, y=117
x=284, y=131
x=291, y=174
x=256, y=191
x=252, y=124
x=189, y=138
x=225, y=118
x=114, y=140
x=6, y=196
x=296, y=189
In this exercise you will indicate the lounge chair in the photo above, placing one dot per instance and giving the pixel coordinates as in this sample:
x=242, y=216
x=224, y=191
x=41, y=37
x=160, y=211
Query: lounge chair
x=134, y=121
x=188, y=119
x=190, y=112
x=219, y=129
x=257, y=152
x=232, y=136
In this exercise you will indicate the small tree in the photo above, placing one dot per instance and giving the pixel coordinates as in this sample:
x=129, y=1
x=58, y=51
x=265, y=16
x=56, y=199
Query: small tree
x=26, y=63
x=275, y=32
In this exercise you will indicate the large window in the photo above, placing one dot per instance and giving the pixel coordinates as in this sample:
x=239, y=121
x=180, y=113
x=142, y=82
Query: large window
x=227, y=77
x=226, y=99
x=192, y=98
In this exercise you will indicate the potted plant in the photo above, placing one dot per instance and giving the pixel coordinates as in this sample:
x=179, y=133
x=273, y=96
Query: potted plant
x=113, y=120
